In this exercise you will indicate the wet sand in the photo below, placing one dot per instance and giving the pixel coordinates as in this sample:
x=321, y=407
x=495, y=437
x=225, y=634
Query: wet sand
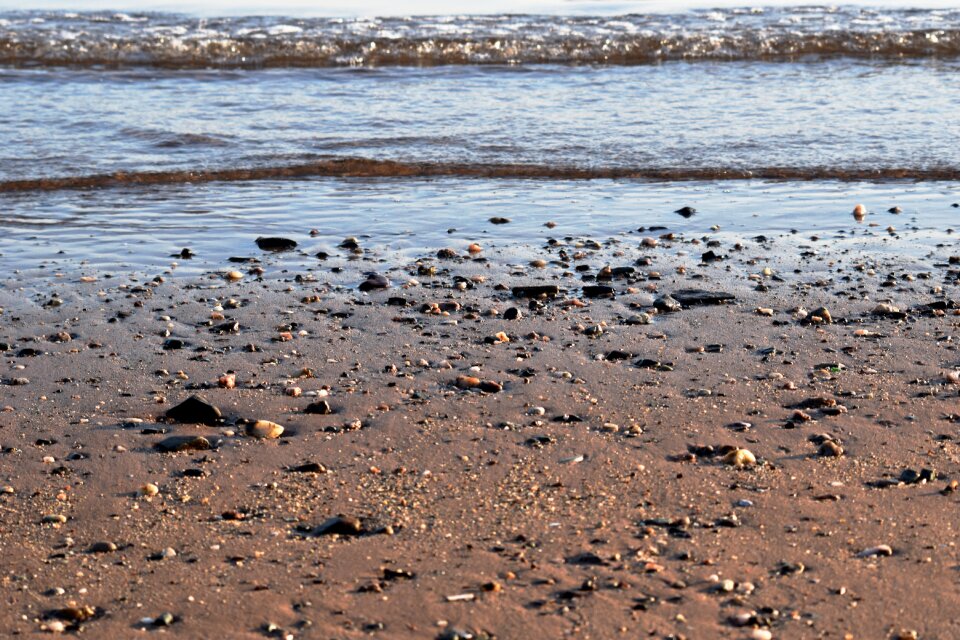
x=587, y=493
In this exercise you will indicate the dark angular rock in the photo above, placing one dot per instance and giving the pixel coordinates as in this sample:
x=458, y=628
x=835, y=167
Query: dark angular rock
x=686, y=212
x=195, y=410
x=321, y=407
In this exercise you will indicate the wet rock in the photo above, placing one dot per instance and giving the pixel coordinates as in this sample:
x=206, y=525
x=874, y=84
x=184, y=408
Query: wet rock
x=499, y=220
x=536, y=291
x=598, y=291
x=195, y=410
x=512, y=314
x=700, y=297
x=667, y=304
x=374, y=282
x=276, y=244
x=175, y=444
x=686, y=212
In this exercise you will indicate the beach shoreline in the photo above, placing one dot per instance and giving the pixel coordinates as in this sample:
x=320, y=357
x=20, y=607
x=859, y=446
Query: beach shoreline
x=591, y=488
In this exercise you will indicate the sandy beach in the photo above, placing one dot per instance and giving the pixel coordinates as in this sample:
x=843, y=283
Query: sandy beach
x=677, y=438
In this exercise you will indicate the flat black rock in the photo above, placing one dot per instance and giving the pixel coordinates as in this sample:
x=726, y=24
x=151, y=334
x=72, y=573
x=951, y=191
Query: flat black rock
x=535, y=291
x=686, y=212
x=700, y=297
x=276, y=244
x=598, y=291
x=195, y=410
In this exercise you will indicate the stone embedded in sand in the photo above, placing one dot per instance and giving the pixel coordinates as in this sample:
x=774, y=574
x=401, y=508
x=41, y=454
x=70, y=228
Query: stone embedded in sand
x=102, y=547
x=175, y=444
x=474, y=248
x=740, y=458
x=885, y=309
x=264, y=429
x=373, y=282
x=820, y=315
x=195, y=410
x=830, y=449
x=233, y=275
x=339, y=525
x=446, y=254
x=227, y=381
x=149, y=490
x=667, y=304
x=467, y=382
x=764, y=311
x=499, y=220
x=512, y=314
x=490, y=386
x=701, y=297
x=309, y=467
x=500, y=338
x=686, y=212
x=859, y=212
x=276, y=244
x=55, y=518
x=536, y=291
x=598, y=291
x=321, y=407
x=877, y=551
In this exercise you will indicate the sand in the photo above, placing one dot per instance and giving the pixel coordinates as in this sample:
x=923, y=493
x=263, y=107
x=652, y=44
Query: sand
x=581, y=500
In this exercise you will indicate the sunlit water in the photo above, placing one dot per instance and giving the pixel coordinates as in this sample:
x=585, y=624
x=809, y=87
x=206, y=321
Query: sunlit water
x=818, y=91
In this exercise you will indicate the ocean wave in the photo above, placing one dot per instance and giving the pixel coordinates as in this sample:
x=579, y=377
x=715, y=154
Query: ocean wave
x=162, y=40
x=372, y=168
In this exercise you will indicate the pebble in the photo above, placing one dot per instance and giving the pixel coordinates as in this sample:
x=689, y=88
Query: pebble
x=830, y=449
x=102, y=547
x=879, y=550
x=195, y=410
x=149, y=490
x=740, y=458
x=264, y=429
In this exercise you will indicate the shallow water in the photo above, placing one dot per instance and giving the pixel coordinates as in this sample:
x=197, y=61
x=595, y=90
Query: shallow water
x=184, y=103
x=136, y=231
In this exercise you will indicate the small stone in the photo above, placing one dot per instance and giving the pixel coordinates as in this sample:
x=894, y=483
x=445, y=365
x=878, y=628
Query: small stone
x=195, y=410
x=467, y=382
x=264, y=429
x=54, y=519
x=830, y=449
x=227, y=381
x=102, y=547
x=740, y=458
x=149, y=490
x=276, y=244
x=859, y=212
x=340, y=525
x=321, y=407
x=373, y=282
x=877, y=551
x=175, y=444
